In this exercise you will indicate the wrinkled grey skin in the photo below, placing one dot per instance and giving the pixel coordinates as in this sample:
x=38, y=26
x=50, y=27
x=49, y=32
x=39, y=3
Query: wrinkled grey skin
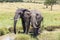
x=36, y=19
x=24, y=14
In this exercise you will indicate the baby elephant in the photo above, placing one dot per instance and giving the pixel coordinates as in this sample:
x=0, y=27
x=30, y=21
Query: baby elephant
x=36, y=19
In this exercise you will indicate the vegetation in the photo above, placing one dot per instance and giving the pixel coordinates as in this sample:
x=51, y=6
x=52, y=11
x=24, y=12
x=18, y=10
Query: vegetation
x=49, y=36
x=11, y=0
x=50, y=2
x=3, y=31
x=51, y=18
x=18, y=29
x=10, y=8
x=22, y=37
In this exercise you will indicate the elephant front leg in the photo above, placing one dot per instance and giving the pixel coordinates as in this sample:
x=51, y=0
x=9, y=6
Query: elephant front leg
x=27, y=29
x=36, y=31
x=27, y=25
x=23, y=24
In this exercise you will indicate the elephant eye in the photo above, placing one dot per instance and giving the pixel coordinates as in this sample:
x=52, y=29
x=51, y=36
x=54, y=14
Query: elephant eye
x=28, y=14
x=37, y=14
x=19, y=13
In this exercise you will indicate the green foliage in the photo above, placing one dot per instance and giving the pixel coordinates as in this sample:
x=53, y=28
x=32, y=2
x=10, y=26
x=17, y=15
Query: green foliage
x=3, y=31
x=11, y=0
x=18, y=29
x=22, y=37
x=11, y=29
x=49, y=2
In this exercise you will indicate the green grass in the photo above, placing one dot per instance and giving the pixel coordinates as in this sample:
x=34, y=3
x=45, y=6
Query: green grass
x=51, y=18
x=49, y=36
x=55, y=35
x=7, y=12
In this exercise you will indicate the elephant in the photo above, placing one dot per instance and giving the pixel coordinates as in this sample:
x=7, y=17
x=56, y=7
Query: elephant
x=36, y=19
x=24, y=14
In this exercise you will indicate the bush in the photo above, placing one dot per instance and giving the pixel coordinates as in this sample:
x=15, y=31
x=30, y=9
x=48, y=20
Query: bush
x=18, y=29
x=3, y=31
x=49, y=28
x=11, y=29
x=52, y=28
x=11, y=0
x=22, y=37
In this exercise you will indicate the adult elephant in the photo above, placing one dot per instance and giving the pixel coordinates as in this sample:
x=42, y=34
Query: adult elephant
x=24, y=14
x=36, y=19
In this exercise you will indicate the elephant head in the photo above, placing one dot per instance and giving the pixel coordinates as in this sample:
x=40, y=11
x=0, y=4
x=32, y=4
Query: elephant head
x=36, y=19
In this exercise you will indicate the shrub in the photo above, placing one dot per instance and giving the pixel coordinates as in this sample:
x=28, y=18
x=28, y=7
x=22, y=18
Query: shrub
x=49, y=28
x=52, y=28
x=11, y=0
x=18, y=29
x=3, y=31
x=22, y=37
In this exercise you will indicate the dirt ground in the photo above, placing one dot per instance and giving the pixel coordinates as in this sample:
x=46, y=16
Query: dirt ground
x=9, y=36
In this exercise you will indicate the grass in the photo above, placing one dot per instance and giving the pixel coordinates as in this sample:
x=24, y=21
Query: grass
x=51, y=18
x=49, y=36
x=7, y=12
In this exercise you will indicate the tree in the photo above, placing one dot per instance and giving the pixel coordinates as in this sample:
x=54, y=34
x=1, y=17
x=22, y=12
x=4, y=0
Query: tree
x=46, y=3
x=50, y=2
x=11, y=0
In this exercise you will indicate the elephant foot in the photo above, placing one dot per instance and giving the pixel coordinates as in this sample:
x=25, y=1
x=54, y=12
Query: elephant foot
x=25, y=32
x=14, y=32
x=36, y=32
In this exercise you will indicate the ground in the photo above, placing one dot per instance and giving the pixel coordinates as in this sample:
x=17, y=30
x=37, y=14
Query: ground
x=9, y=36
x=45, y=35
x=51, y=18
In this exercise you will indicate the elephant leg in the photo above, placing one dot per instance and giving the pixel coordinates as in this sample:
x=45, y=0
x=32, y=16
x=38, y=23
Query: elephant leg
x=35, y=31
x=27, y=29
x=27, y=25
x=24, y=28
x=23, y=24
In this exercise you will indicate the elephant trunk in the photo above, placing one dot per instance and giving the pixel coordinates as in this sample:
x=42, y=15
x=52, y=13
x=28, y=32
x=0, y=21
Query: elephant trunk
x=15, y=22
x=33, y=21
